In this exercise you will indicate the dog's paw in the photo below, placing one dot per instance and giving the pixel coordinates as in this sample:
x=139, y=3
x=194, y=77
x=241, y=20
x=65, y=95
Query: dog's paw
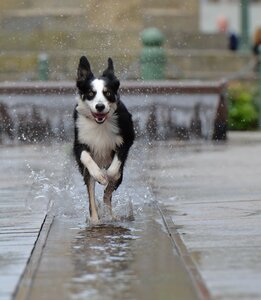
x=113, y=175
x=94, y=221
x=100, y=176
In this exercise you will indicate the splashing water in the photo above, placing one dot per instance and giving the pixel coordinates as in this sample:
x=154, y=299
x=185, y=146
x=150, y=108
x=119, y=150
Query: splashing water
x=61, y=190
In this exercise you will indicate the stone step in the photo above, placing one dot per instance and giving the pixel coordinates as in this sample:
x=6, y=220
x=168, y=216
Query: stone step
x=35, y=19
x=22, y=65
x=207, y=60
x=195, y=40
x=189, y=5
x=65, y=40
x=170, y=18
x=82, y=17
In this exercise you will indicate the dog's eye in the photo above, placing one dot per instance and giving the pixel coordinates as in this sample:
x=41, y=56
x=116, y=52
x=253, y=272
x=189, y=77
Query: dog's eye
x=107, y=93
x=90, y=94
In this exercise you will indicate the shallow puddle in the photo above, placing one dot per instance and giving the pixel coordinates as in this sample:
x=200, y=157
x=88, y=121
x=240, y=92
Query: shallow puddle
x=101, y=258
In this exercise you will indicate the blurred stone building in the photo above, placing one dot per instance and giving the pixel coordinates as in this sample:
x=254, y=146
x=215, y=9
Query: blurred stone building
x=65, y=30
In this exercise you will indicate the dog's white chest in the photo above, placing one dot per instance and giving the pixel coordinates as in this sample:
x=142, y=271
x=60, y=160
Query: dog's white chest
x=101, y=138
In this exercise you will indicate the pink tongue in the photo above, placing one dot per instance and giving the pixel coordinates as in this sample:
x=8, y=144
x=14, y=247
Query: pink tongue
x=100, y=117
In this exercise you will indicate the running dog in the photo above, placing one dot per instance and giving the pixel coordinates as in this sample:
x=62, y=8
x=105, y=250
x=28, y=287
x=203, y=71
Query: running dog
x=103, y=130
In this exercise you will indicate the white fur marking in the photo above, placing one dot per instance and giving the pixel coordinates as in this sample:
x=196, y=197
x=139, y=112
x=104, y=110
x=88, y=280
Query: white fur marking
x=83, y=109
x=101, y=138
x=98, y=86
x=93, y=169
x=113, y=171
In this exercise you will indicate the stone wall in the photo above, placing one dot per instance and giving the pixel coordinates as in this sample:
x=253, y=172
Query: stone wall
x=65, y=30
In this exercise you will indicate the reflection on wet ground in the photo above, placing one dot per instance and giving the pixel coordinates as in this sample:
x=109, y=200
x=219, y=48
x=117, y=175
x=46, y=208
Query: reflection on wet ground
x=128, y=260
x=102, y=256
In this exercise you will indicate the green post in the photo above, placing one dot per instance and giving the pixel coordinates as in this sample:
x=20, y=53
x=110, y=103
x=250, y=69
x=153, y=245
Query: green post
x=43, y=68
x=153, y=57
x=245, y=45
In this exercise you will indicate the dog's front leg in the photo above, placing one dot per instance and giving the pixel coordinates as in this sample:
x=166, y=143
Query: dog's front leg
x=90, y=183
x=93, y=168
x=113, y=171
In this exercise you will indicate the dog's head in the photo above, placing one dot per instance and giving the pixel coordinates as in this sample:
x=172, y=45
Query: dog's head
x=98, y=95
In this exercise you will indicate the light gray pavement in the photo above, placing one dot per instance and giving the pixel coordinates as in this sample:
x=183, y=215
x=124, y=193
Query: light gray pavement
x=64, y=258
x=23, y=208
x=209, y=196
x=19, y=227
x=212, y=199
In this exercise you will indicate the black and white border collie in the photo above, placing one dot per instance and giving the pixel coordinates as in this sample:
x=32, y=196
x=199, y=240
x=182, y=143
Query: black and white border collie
x=104, y=132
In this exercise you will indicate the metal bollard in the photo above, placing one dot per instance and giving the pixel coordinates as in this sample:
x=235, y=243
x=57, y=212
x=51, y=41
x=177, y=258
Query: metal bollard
x=153, y=57
x=43, y=68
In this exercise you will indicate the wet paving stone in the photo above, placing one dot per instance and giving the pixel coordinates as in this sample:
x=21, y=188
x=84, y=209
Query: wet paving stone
x=114, y=261
x=212, y=195
x=19, y=224
x=122, y=260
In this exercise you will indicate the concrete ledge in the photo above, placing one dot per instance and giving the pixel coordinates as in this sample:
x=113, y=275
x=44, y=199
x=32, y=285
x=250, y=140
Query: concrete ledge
x=127, y=87
x=24, y=285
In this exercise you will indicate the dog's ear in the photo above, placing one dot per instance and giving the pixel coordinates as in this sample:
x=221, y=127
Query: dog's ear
x=109, y=73
x=110, y=69
x=84, y=70
x=110, y=65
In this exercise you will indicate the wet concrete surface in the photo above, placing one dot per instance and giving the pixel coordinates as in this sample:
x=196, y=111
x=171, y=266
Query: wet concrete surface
x=213, y=196
x=113, y=261
x=196, y=232
x=69, y=259
x=19, y=225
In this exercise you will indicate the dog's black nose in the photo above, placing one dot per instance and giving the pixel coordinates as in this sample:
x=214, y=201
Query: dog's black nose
x=100, y=107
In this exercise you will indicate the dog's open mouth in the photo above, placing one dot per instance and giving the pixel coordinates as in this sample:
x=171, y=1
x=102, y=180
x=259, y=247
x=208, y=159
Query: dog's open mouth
x=99, y=117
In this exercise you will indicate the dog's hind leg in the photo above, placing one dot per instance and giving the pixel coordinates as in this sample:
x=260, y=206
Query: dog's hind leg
x=90, y=183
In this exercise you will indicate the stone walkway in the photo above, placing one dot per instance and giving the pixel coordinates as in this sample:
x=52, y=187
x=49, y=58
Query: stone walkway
x=19, y=226
x=211, y=196
x=23, y=209
x=63, y=257
x=208, y=196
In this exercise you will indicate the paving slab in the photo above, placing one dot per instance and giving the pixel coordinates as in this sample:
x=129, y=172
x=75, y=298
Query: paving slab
x=43, y=257
x=116, y=260
x=211, y=194
x=21, y=213
x=202, y=221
